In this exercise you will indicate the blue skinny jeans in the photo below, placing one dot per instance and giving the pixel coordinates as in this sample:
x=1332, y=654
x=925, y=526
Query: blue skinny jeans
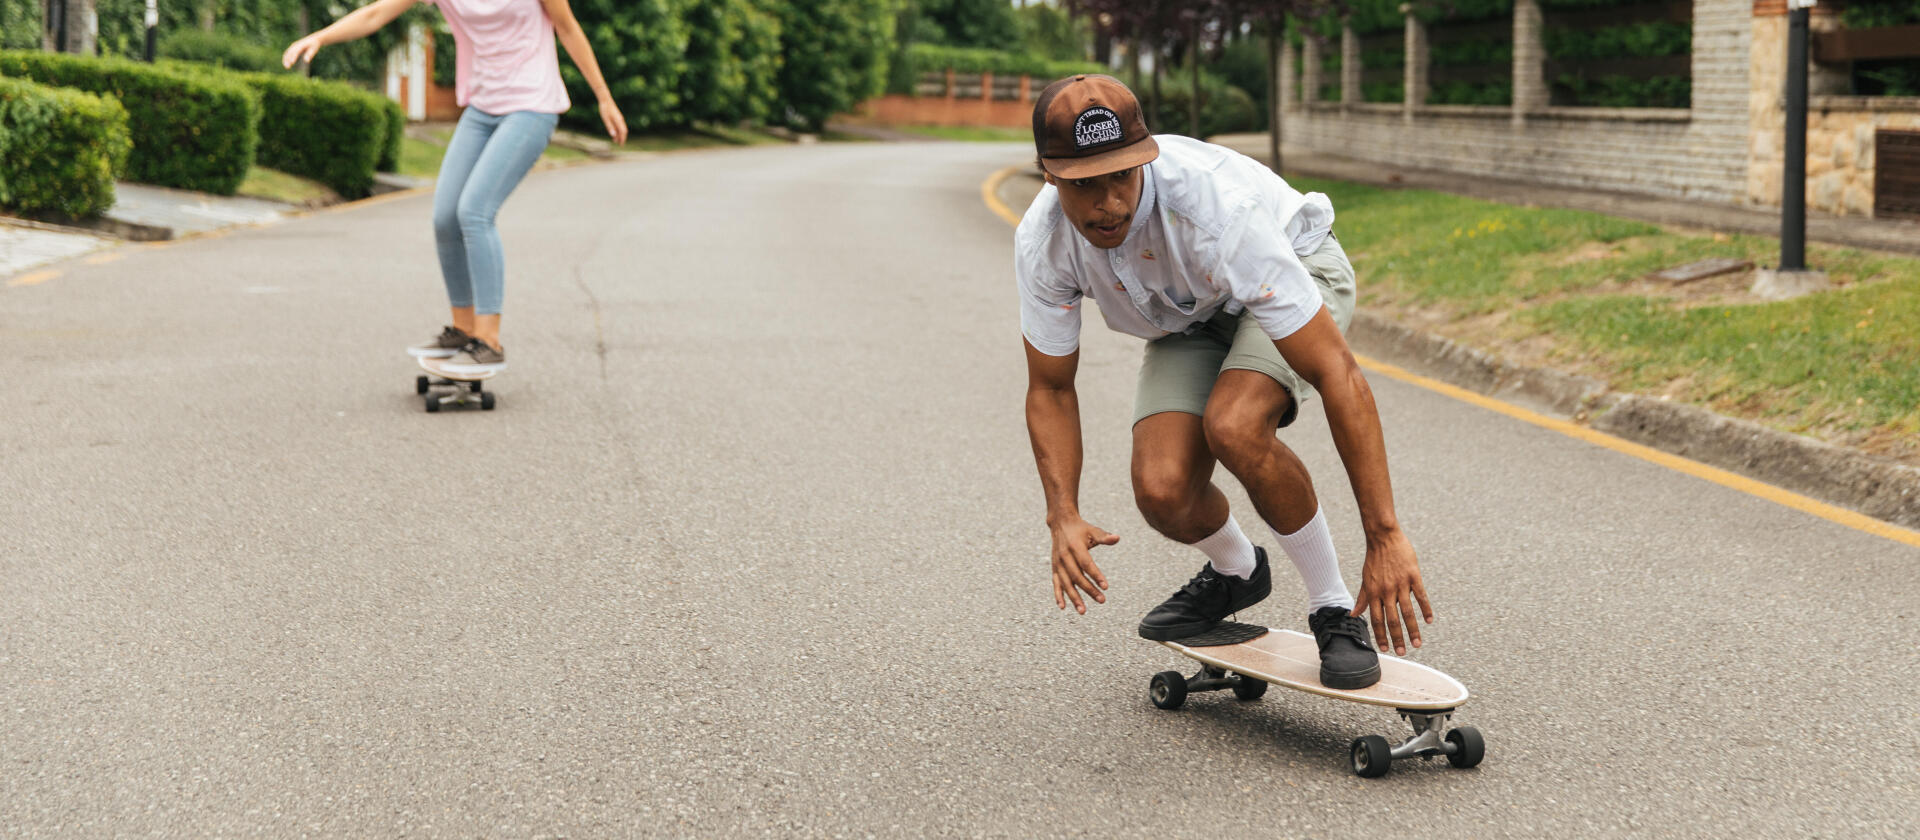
x=485, y=160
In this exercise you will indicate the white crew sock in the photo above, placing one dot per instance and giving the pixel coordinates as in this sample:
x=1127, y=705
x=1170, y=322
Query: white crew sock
x=1229, y=550
x=1311, y=549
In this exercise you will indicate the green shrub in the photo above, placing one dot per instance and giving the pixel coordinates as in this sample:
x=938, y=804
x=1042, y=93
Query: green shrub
x=732, y=62
x=59, y=149
x=395, y=137
x=331, y=132
x=836, y=55
x=1874, y=14
x=1612, y=91
x=220, y=50
x=20, y=24
x=194, y=131
x=1223, y=107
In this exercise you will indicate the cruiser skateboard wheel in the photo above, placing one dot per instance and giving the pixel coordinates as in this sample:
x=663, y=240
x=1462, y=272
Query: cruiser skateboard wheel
x=1468, y=747
x=1248, y=688
x=1371, y=756
x=1168, y=690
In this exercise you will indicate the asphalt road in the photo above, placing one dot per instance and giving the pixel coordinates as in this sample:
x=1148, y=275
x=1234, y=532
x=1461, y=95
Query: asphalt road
x=754, y=546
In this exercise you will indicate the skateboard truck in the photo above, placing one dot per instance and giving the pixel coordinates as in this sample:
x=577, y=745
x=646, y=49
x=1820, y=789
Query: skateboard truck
x=441, y=392
x=1371, y=755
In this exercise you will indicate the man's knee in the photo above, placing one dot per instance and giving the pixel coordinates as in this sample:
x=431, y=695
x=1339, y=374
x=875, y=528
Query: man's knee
x=1237, y=428
x=1164, y=495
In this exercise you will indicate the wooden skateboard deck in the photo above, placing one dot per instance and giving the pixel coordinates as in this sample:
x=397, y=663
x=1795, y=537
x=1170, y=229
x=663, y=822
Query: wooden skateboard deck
x=1427, y=699
x=1291, y=658
x=434, y=367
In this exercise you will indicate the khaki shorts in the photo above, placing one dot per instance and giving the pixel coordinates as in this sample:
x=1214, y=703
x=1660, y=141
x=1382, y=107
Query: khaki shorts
x=1179, y=370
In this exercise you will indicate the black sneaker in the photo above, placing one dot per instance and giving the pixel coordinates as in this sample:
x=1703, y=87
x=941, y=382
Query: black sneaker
x=1347, y=658
x=1206, y=601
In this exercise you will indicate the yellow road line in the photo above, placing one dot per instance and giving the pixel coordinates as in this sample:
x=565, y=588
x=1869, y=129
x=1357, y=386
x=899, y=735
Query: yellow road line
x=98, y=259
x=989, y=191
x=33, y=279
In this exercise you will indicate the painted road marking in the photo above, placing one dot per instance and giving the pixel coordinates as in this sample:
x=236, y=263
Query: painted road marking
x=33, y=279
x=989, y=191
x=99, y=259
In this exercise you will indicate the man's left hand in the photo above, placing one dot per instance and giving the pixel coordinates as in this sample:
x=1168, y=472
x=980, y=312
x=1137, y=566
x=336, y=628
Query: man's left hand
x=1389, y=584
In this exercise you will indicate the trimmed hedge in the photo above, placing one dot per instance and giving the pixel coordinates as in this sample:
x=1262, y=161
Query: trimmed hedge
x=1223, y=107
x=220, y=50
x=331, y=132
x=59, y=149
x=396, y=133
x=192, y=131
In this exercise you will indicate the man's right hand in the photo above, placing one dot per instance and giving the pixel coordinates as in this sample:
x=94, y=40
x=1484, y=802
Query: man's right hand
x=1074, y=571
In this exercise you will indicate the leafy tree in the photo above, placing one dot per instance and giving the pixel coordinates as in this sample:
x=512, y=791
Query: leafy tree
x=835, y=56
x=732, y=62
x=641, y=46
x=970, y=23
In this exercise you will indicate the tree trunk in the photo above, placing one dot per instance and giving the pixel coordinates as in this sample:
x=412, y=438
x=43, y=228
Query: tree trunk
x=206, y=14
x=1153, y=110
x=1133, y=62
x=1273, y=99
x=1193, y=96
x=83, y=27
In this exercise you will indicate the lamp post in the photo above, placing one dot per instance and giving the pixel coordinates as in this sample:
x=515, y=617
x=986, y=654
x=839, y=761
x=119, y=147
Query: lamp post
x=1792, y=278
x=153, y=22
x=1793, y=195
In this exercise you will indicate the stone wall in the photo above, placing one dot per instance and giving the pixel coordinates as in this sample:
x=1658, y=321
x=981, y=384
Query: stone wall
x=1840, y=129
x=1698, y=153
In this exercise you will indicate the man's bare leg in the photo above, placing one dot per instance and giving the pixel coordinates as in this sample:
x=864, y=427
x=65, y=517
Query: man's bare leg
x=1172, y=484
x=1242, y=413
x=1173, y=477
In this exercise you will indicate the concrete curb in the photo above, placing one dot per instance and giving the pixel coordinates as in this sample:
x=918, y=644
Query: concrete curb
x=1834, y=474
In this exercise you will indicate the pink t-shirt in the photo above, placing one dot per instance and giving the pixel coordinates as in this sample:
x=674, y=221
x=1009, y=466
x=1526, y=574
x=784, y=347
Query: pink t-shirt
x=506, y=60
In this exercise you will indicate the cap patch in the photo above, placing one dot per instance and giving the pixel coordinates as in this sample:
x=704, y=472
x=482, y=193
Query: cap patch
x=1096, y=126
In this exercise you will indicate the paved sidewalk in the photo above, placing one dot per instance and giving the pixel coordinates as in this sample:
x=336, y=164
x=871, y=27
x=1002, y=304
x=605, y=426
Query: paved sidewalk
x=26, y=245
x=141, y=212
x=1877, y=234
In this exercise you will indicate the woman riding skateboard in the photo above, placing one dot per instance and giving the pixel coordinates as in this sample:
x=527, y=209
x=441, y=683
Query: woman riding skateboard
x=1242, y=292
x=508, y=79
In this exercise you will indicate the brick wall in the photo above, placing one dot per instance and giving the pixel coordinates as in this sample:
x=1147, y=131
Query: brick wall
x=1699, y=153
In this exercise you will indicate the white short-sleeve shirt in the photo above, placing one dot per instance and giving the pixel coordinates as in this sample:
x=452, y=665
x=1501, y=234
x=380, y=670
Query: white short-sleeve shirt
x=1214, y=230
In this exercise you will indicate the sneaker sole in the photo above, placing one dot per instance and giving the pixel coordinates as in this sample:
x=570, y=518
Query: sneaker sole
x=1357, y=679
x=1176, y=632
x=431, y=354
x=471, y=369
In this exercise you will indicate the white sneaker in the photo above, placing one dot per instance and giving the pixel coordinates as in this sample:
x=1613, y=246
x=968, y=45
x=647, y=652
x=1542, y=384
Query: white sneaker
x=442, y=346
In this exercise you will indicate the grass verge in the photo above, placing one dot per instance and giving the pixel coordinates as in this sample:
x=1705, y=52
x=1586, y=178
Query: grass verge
x=274, y=185
x=1574, y=290
x=970, y=134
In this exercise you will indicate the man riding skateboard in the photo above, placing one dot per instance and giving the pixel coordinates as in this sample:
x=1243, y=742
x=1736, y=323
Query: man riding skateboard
x=1242, y=292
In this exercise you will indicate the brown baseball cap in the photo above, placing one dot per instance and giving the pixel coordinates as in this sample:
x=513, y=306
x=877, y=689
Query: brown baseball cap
x=1090, y=125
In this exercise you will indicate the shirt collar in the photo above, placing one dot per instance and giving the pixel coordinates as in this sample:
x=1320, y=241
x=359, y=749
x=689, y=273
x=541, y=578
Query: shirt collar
x=1144, y=210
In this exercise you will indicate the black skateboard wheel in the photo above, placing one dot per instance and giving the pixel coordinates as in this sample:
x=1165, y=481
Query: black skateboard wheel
x=486, y=400
x=1168, y=690
x=1248, y=688
x=1371, y=757
x=420, y=384
x=1468, y=747
x=433, y=405
x=474, y=386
